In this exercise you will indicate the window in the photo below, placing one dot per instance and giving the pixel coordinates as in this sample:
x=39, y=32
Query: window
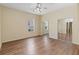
x=31, y=25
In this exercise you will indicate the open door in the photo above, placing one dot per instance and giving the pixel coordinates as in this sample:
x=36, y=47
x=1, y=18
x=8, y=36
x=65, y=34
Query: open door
x=61, y=29
x=65, y=29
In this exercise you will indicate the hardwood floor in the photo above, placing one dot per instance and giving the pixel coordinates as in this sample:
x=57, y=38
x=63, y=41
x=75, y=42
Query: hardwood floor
x=65, y=37
x=39, y=46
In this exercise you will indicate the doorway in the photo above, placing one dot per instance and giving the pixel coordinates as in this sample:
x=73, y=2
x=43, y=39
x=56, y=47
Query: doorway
x=45, y=27
x=65, y=29
x=69, y=31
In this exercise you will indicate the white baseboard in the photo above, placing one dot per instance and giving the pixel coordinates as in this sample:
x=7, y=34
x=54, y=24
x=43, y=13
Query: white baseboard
x=53, y=35
x=77, y=43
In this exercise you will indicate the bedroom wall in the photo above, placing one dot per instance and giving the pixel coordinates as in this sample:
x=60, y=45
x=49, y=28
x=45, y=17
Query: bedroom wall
x=0, y=26
x=70, y=11
x=61, y=26
x=75, y=30
x=15, y=24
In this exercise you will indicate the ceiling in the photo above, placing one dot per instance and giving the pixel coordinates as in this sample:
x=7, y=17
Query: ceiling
x=28, y=7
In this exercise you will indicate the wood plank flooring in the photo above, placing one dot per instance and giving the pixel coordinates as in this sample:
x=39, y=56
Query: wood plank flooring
x=39, y=46
x=65, y=37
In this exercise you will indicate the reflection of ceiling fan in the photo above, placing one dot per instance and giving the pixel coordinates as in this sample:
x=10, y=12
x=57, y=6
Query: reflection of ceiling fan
x=38, y=8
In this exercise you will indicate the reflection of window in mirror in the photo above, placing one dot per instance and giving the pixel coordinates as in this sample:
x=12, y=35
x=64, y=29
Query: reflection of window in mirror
x=31, y=25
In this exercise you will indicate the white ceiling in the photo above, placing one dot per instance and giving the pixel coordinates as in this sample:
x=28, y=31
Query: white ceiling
x=28, y=7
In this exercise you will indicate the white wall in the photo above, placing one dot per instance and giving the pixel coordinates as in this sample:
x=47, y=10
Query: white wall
x=61, y=26
x=70, y=11
x=0, y=25
x=15, y=24
x=75, y=29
